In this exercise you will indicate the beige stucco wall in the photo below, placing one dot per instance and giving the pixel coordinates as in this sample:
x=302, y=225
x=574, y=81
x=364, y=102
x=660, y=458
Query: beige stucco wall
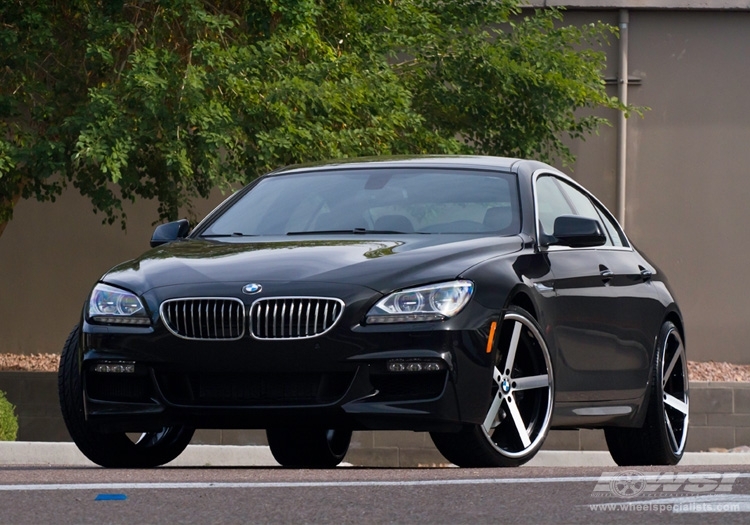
x=690, y=190
x=687, y=187
x=687, y=199
x=51, y=254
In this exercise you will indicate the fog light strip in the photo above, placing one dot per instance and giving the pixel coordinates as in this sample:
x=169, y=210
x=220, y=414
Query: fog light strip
x=115, y=368
x=491, y=338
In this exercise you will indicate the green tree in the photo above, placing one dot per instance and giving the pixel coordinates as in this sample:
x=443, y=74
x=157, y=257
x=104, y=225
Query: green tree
x=8, y=419
x=167, y=100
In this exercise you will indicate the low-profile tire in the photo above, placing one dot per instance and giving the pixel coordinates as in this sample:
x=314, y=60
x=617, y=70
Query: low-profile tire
x=117, y=449
x=521, y=401
x=308, y=447
x=661, y=440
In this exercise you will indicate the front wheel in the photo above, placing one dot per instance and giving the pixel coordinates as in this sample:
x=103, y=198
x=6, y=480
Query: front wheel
x=661, y=440
x=308, y=447
x=522, y=397
x=116, y=449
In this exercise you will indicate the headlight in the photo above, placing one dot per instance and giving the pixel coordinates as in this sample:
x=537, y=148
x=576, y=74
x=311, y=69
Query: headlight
x=114, y=306
x=428, y=303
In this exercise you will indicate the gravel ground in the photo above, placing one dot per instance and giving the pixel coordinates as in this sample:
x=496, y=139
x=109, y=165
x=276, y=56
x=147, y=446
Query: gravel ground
x=30, y=363
x=698, y=371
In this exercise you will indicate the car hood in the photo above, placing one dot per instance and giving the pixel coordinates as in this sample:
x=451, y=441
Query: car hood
x=382, y=264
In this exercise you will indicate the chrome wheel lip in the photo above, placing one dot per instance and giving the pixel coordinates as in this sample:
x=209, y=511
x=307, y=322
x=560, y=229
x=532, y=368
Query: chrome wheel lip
x=152, y=438
x=676, y=446
x=508, y=392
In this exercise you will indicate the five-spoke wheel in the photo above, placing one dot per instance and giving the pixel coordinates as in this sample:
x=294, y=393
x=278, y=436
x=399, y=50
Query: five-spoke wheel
x=111, y=449
x=522, y=394
x=661, y=440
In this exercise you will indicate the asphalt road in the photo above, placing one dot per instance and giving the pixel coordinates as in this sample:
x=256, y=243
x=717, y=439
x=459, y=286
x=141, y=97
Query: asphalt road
x=39, y=495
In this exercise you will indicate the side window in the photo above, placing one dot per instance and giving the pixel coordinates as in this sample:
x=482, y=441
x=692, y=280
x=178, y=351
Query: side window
x=551, y=203
x=615, y=233
x=585, y=208
x=555, y=197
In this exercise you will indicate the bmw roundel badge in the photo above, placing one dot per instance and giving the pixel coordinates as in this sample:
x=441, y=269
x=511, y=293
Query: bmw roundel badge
x=251, y=288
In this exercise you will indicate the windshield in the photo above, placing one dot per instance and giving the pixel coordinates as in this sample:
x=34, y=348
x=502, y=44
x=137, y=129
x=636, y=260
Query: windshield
x=413, y=200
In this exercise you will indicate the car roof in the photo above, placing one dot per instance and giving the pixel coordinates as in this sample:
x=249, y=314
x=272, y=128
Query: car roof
x=418, y=161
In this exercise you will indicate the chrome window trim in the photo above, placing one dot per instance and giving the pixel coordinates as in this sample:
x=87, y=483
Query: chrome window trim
x=553, y=173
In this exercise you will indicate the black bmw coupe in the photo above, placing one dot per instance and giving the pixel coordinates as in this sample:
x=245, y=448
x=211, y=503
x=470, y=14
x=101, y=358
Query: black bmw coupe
x=484, y=300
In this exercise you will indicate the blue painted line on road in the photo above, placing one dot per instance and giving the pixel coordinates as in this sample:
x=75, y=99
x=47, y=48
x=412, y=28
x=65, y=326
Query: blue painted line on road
x=110, y=497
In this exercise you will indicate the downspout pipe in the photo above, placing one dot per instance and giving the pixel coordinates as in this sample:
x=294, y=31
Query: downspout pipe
x=622, y=121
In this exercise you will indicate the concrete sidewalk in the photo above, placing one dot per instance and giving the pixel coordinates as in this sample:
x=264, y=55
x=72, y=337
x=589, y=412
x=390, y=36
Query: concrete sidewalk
x=33, y=453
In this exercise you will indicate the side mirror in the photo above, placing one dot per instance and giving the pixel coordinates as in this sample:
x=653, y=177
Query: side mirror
x=578, y=232
x=169, y=232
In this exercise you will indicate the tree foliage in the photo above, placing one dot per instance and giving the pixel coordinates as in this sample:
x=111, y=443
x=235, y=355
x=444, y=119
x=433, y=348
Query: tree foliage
x=8, y=419
x=167, y=100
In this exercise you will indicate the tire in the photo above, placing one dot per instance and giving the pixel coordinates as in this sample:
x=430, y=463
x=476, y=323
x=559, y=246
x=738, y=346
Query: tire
x=661, y=440
x=520, y=410
x=308, y=447
x=117, y=449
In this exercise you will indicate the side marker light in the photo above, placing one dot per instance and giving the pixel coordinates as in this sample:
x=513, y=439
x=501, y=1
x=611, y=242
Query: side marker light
x=491, y=338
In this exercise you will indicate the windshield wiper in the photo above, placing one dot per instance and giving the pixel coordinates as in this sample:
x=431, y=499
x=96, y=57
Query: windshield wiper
x=358, y=231
x=319, y=232
x=235, y=234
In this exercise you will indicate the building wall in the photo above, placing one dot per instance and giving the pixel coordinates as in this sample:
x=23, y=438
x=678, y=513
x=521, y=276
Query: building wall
x=51, y=254
x=687, y=193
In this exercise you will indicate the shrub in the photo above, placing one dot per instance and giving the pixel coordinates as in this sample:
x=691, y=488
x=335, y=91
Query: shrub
x=8, y=420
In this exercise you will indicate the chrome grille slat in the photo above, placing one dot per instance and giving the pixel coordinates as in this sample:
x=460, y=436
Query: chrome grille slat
x=192, y=318
x=307, y=318
x=299, y=319
x=294, y=317
x=317, y=309
x=275, y=307
x=204, y=318
x=266, y=316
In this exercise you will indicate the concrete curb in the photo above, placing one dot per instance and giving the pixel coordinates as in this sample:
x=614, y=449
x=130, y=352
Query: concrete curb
x=597, y=458
x=33, y=453
x=39, y=453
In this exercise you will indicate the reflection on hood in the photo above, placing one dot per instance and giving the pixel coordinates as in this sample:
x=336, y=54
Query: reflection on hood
x=381, y=264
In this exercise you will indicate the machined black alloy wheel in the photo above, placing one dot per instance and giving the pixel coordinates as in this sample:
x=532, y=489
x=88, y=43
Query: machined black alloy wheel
x=520, y=411
x=661, y=440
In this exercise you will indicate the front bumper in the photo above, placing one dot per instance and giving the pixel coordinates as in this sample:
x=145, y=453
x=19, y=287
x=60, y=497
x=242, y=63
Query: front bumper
x=340, y=379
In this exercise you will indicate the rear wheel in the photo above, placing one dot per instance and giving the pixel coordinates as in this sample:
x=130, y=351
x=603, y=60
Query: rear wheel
x=308, y=447
x=520, y=410
x=116, y=449
x=661, y=440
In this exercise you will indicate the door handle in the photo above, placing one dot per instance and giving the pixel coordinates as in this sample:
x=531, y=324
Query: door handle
x=645, y=273
x=606, y=273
